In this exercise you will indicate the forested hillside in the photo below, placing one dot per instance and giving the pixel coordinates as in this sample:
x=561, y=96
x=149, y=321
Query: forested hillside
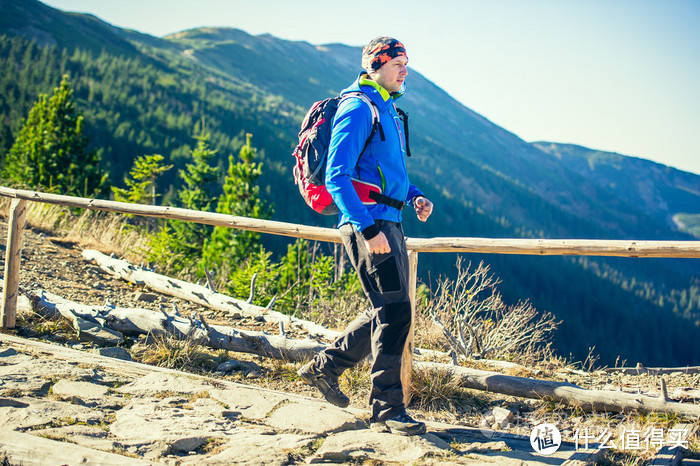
x=142, y=95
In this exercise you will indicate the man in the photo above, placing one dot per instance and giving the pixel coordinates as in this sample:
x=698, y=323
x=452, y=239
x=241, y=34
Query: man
x=373, y=236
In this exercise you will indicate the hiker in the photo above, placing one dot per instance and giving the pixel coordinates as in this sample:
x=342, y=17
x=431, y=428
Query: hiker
x=372, y=235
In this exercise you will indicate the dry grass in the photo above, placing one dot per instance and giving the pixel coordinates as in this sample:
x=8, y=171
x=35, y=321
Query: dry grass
x=55, y=327
x=337, y=312
x=166, y=351
x=282, y=370
x=436, y=390
x=356, y=383
x=108, y=232
x=427, y=333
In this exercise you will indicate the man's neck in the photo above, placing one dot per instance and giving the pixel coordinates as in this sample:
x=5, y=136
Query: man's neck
x=366, y=80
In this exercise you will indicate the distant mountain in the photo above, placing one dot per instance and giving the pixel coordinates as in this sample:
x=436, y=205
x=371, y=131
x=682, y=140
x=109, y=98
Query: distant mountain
x=661, y=191
x=143, y=94
x=48, y=26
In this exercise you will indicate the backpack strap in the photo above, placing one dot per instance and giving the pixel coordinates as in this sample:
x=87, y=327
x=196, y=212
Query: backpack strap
x=404, y=117
x=376, y=124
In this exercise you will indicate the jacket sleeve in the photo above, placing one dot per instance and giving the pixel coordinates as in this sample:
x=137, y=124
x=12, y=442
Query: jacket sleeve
x=351, y=128
x=413, y=192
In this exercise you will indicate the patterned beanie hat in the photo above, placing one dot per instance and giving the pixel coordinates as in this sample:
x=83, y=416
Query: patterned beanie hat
x=380, y=51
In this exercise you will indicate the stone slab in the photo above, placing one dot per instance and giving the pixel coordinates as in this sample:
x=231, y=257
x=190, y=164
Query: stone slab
x=181, y=424
x=69, y=389
x=91, y=331
x=312, y=418
x=94, y=437
x=116, y=352
x=254, y=446
x=366, y=445
x=43, y=412
x=485, y=443
x=158, y=382
x=27, y=449
x=249, y=403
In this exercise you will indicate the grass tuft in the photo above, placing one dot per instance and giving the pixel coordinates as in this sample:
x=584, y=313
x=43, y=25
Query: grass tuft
x=166, y=351
x=437, y=390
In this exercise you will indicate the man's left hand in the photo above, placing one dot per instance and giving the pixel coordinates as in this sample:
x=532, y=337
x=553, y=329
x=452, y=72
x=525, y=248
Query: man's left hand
x=423, y=208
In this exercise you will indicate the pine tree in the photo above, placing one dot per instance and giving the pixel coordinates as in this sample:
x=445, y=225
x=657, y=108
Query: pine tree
x=51, y=151
x=141, y=182
x=241, y=197
x=185, y=240
x=197, y=193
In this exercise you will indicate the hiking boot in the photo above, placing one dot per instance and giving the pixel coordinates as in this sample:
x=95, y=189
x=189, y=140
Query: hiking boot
x=326, y=384
x=402, y=424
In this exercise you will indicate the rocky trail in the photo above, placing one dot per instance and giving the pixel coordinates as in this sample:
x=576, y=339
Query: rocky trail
x=99, y=410
x=62, y=400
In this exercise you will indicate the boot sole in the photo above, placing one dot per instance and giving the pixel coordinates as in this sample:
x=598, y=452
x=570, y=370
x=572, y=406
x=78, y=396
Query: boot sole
x=382, y=427
x=311, y=380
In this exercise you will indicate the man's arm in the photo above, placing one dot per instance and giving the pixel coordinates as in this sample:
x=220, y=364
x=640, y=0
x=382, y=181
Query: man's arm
x=351, y=128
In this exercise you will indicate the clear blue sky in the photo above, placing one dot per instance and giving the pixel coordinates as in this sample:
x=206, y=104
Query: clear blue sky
x=621, y=76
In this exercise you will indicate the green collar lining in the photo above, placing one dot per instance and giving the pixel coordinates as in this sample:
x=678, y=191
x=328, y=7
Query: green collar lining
x=366, y=81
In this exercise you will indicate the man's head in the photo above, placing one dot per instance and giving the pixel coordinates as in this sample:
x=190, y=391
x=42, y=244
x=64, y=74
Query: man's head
x=385, y=60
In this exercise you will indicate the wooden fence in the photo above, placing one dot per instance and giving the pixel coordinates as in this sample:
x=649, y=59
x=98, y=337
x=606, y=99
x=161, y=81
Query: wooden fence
x=583, y=247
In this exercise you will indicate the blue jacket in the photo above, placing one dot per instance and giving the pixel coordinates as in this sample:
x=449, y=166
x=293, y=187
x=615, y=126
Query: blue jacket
x=383, y=163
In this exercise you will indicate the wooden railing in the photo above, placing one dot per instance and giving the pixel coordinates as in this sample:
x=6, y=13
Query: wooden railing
x=625, y=248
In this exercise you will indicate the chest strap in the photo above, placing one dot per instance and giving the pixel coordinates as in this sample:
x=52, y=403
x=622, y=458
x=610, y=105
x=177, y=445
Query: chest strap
x=380, y=198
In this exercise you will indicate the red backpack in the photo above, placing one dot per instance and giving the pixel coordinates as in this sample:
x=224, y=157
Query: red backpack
x=311, y=155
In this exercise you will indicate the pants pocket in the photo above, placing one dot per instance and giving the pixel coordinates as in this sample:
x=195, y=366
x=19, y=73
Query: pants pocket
x=384, y=275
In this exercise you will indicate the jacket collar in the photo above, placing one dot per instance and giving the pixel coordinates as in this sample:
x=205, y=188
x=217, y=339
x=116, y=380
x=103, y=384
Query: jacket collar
x=365, y=80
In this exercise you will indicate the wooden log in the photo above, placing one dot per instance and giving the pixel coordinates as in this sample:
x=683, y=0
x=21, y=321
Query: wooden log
x=564, y=392
x=13, y=257
x=407, y=356
x=200, y=294
x=210, y=218
x=218, y=301
x=558, y=247
x=654, y=370
x=134, y=321
x=583, y=247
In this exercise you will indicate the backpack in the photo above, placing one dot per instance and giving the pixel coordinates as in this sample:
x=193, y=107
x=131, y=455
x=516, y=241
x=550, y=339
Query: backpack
x=311, y=155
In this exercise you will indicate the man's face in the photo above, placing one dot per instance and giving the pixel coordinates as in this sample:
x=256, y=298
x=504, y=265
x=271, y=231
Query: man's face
x=392, y=74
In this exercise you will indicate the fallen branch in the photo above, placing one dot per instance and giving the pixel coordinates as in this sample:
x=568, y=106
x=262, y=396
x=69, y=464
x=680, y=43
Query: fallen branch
x=564, y=392
x=221, y=302
x=653, y=370
x=200, y=294
x=135, y=321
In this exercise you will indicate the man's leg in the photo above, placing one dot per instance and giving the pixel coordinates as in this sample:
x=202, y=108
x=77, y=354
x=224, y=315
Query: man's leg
x=382, y=330
x=386, y=276
x=350, y=347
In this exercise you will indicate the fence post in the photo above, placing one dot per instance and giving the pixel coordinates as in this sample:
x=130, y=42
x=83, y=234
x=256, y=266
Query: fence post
x=13, y=255
x=407, y=357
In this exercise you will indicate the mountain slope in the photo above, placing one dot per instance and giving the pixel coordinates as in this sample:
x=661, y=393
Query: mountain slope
x=146, y=94
x=661, y=191
x=48, y=26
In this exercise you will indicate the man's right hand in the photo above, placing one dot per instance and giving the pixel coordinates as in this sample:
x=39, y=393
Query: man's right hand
x=379, y=244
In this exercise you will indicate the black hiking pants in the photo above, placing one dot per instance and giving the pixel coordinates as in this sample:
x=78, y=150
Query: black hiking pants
x=381, y=330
